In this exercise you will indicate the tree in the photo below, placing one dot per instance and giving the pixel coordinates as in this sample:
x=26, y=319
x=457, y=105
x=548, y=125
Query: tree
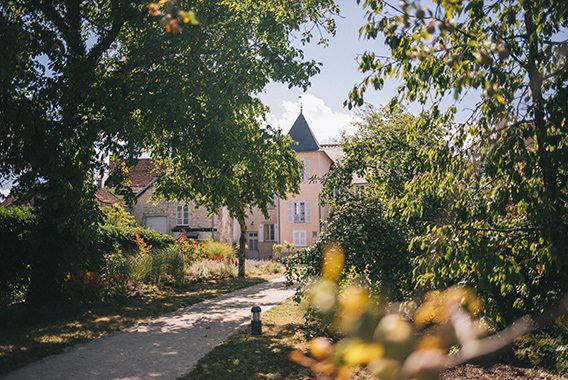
x=83, y=80
x=503, y=173
x=387, y=151
x=257, y=165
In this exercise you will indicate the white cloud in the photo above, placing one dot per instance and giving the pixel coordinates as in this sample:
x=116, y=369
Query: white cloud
x=326, y=124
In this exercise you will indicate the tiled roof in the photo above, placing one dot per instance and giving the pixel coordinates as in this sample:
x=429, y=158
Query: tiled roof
x=141, y=174
x=335, y=152
x=303, y=136
x=105, y=197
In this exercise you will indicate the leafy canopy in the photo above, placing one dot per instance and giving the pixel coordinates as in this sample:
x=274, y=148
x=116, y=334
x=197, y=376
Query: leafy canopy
x=503, y=172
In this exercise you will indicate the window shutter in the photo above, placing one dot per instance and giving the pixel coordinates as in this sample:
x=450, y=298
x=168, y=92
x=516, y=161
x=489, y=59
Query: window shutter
x=276, y=234
x=290, y=212
x=307, y=170
x=261, y=232
x=308, y=211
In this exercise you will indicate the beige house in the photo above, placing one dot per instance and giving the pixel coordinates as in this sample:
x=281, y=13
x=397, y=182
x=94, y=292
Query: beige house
x=174, y=217
x=299, y=218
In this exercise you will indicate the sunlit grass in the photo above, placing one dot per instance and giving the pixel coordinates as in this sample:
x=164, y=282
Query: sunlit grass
x=259, y=357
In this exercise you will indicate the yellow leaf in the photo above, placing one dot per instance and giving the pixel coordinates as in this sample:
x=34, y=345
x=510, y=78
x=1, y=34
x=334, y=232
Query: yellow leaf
x=501, y=99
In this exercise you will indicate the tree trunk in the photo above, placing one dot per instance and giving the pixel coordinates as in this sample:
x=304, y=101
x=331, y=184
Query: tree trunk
x=555, y=227
x=242, y=247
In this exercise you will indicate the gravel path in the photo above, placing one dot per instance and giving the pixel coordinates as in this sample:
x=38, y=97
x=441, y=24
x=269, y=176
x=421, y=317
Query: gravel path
x=165, y=347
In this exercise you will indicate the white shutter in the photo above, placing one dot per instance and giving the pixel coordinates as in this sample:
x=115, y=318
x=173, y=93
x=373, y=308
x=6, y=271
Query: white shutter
x=307, y=170
x=308, y=211
x=261, y=232
x=276, y=234
x=290, y=212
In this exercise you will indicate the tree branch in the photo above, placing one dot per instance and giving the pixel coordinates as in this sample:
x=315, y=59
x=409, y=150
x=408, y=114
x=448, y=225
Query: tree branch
x=490, y=345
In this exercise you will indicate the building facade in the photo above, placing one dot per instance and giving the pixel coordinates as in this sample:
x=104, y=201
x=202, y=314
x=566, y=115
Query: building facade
x=299, y=218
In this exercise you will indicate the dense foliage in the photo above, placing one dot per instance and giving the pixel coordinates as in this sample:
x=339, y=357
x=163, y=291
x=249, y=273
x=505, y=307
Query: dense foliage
x=81, y=80
x=503, y=174
x=387, y=151
x=16, y=226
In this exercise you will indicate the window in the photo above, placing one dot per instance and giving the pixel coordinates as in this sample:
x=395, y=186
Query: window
x=299, y=212
x=300, y=239
x=305, y=170
x=182, y=215
x=253, y=241
x=272, y=204
x=269, y=232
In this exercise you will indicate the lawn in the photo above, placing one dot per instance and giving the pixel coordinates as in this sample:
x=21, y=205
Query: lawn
x=266, y=357
x=260, y=357
x=22, y=342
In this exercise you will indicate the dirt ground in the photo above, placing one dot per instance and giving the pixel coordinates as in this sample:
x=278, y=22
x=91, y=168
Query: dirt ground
x=499, y=372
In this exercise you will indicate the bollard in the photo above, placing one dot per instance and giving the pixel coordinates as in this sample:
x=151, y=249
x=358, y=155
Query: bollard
x=256, y=323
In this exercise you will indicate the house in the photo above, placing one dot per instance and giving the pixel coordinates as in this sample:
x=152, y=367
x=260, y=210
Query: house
x=174, y=217
x=298, y=219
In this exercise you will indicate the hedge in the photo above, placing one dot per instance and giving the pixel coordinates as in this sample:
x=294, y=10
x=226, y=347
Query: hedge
x=123, y=238
x=16, y=226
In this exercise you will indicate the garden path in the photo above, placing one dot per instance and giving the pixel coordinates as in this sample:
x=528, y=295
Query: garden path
x=164, y=347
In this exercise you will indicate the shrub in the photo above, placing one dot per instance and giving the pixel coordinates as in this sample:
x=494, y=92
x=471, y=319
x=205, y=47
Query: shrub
x=114, y=276
x=124, y=238
x=139, y=267
x=213, y=248
x=117, y=216
x=258, y=267
x=168, y=266
x=208, y=269
x=16, y=226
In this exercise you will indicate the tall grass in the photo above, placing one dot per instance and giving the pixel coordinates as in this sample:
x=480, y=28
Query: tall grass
x=208, y=269
x=213, y=248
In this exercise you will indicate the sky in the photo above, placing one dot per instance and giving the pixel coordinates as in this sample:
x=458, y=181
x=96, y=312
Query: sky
x=323, y=101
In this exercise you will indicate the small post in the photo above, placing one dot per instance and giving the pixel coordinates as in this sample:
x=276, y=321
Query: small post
x=256, y=323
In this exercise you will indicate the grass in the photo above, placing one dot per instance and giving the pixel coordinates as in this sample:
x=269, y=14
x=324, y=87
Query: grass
x=261, y=357
x=22, y=342
x=266, y=357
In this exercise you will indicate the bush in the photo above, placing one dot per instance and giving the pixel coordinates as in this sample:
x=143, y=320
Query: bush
x=168, y=266
x=114, y=276
x=139, y=267
x=208, y=269
x=372, y=242
x=117, y=216
x=258, y=267
x=213, y=248
x=124, y=238
x=16, y=226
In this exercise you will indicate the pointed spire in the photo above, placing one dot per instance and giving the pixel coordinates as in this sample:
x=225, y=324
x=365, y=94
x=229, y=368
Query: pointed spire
x=302, y=134
x=301, y=107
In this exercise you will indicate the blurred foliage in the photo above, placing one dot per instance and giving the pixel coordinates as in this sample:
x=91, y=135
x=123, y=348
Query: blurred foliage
x=392, y=340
